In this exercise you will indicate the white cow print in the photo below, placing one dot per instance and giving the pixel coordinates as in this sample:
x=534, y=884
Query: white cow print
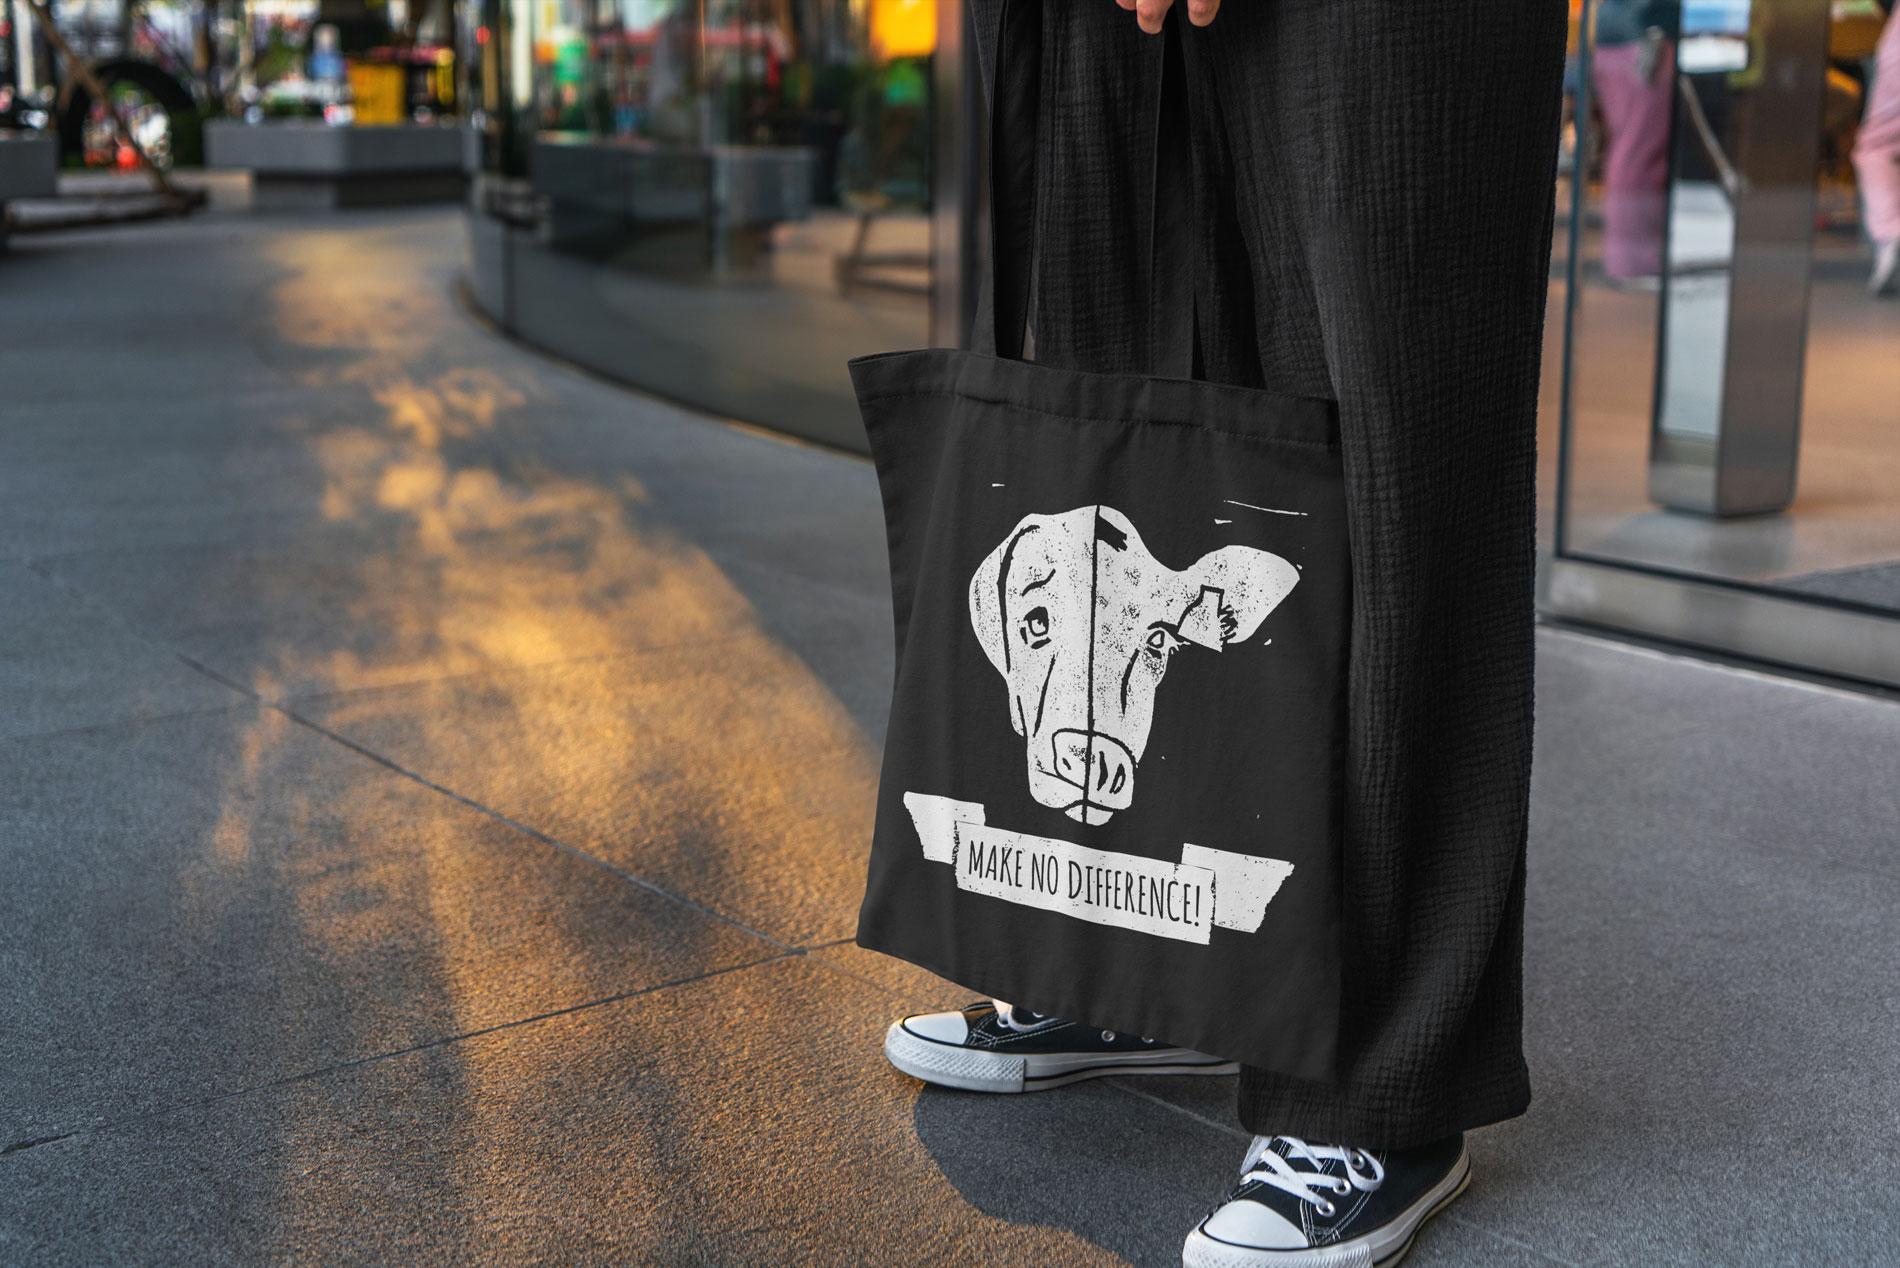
x=1082, y=622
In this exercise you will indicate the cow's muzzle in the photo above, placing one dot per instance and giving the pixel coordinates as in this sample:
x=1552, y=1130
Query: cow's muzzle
x=1096, y=774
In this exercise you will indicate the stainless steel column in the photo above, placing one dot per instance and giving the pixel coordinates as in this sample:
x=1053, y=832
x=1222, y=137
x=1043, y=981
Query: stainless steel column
x=1735, y=303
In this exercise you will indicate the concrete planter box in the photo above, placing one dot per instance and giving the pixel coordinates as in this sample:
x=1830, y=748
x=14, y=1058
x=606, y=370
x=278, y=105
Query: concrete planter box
x=303, y=165
x=29, y=165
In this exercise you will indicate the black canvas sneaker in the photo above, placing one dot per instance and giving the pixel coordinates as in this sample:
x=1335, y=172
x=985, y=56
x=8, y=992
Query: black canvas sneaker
x=992, y=1047
x=1327, y=1206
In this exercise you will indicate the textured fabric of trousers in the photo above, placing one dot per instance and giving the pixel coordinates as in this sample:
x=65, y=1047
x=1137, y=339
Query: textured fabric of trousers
x=1374, y=186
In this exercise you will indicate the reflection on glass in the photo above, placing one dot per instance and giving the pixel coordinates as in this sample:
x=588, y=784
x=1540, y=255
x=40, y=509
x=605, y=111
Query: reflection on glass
x=724, y=200
x=1725, y=336
x=1700, y=225
x=1876, y=152
x=1633, y=74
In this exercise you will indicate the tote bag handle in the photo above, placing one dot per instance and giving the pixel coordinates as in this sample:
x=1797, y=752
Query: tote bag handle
x=1015, y=127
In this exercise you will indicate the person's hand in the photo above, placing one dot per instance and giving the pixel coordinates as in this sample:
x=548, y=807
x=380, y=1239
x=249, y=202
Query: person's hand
x=1148, y=13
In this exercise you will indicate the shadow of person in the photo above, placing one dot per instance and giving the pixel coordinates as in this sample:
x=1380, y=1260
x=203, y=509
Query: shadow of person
x=1125, y=1172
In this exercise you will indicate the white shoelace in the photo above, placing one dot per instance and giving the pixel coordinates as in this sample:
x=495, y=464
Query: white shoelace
x=1364, y=1173
x=1006, y=1013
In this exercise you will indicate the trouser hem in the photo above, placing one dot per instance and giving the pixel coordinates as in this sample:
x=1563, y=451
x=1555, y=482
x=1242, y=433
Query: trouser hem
x=1271, y=1104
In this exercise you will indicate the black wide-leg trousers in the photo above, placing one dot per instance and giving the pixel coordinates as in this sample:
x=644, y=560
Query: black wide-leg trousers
x=1374, y=184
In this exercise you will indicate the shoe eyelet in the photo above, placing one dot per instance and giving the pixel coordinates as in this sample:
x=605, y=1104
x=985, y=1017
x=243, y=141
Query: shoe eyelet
x=1327, y=1210
x=1342, y=1187
x=1108, y=1036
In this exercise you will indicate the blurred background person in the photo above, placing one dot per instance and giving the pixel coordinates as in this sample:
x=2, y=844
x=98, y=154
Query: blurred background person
x=1633, y=74
x=1877, y=162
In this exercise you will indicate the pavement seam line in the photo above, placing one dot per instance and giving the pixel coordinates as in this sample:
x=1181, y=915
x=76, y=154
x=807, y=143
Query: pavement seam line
x=289, y=1080
x=1237, y=1132
x=525, y=829
x=282, y=706
x=38, y=565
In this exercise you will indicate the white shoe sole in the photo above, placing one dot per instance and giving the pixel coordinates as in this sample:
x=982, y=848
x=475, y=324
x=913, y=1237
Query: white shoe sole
x=973, y=1070
x=1382, y=1248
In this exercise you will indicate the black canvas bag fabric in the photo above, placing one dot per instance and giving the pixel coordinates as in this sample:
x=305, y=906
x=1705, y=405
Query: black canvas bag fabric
x=1112, y=783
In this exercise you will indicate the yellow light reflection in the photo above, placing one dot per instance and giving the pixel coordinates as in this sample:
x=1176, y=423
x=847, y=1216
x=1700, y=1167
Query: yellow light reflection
x=527, y=630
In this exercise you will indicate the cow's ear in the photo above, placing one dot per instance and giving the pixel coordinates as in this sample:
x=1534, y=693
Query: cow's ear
x=986, y=606
x=1252, y=583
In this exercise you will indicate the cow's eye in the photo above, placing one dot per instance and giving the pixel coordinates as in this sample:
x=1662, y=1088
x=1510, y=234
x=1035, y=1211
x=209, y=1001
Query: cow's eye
x=1036, y=627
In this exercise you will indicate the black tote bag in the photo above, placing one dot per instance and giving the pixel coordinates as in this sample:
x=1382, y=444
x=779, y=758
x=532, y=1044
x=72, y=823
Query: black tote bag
x=1112, y=781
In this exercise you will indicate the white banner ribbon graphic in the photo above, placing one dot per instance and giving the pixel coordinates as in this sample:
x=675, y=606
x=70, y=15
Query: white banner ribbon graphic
x=1182, y=900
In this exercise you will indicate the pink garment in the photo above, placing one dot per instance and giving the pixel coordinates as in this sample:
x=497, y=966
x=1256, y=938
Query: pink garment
x=1636, y=114
x=1877, y=149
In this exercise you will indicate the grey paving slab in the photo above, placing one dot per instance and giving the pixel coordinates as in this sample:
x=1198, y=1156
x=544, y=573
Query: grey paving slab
x=117, y=496
x=389, y=563
x=65, y=663
x=726, y=771
x=693, y=1125
x=800, y=510
x=850, y=558
x=846, y=640
x=1710, y=971
x=1814, y=780
x=895, y=986
x=1732, y=758
x=307, y=301
x=1717, y=1041
x=67, y=428
x=1753, y=972
x=204, y=903
x=117, y=290
x=246, y=467
x=695, y=465
x=1613, y=698
x=707, y=1124
x=380, y=600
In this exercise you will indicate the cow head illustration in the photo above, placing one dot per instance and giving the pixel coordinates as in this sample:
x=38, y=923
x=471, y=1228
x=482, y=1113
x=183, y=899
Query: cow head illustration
x=1082, y=622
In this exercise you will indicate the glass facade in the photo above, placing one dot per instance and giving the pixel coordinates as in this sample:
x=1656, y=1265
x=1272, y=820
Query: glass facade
x=720, y=201
x=1730, y=380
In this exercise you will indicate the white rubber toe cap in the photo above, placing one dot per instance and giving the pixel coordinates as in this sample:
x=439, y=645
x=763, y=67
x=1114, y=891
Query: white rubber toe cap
x=1244, y=1223
x=942, y=1027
